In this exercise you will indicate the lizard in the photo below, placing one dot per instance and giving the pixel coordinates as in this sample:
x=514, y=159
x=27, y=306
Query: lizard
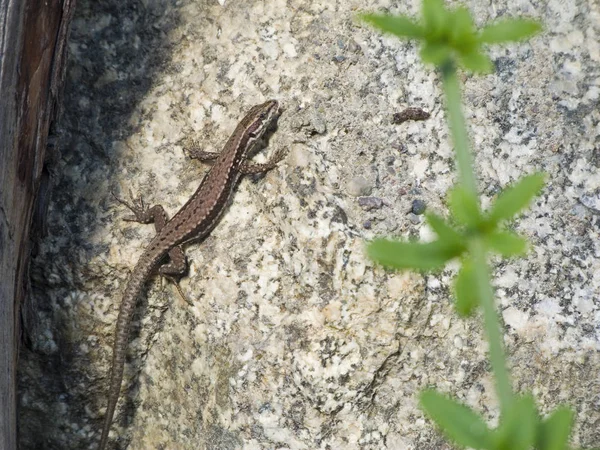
x=193, y=222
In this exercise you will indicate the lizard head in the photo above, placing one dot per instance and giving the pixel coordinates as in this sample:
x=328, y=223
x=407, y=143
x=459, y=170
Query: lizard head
x=260, y=118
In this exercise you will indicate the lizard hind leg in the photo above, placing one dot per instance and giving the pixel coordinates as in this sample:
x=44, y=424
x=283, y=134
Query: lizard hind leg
x=177, y=266
x=175, y=269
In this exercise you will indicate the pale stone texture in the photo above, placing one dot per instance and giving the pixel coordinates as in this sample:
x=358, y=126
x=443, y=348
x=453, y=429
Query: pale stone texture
x=295, y=339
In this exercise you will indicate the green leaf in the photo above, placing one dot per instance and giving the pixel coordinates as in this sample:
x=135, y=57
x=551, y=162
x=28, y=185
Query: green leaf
x=464, y=207
x=462, y=32
x=457, y=421
x=466, y=289
x=517, y=429
x=476, y=61
x=412, y=255
x=508, y=30
x=434, y=53
x=516, y=197
x=435, y=18
x=445, y=232
x=553, y=432
x=506, y=243
x=400, y=26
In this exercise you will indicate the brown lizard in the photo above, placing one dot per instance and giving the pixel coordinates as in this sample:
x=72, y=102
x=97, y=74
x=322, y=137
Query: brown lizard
x=193, y=221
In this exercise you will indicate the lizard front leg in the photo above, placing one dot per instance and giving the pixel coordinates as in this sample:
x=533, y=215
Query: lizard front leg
x=249, y=167
x=197, y=153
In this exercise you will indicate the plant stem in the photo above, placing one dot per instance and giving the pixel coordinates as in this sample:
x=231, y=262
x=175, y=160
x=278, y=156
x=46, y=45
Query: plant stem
x=458, y=128
x=477, y=249
x=491, y=323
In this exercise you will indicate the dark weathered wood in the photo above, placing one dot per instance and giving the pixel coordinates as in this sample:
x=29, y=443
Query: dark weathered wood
x=33, y=36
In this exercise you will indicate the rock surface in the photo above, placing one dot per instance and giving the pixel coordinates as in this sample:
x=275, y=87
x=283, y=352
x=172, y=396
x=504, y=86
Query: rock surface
x=295, y=339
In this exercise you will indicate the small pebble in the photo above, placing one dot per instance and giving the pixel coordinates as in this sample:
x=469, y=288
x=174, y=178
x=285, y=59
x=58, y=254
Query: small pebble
x=410, y=114
x=591, y=200
x=367, y=224
x=369, y=203
x=414, y=219
x=359, y=186
x=418, y=207
x=400, y=147
x=318, y=122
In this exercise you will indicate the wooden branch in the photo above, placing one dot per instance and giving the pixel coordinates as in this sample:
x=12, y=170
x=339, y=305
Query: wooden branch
x=33, y=36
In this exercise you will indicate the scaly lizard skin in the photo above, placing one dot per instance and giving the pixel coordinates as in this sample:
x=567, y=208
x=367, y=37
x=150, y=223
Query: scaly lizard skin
x=193, y=221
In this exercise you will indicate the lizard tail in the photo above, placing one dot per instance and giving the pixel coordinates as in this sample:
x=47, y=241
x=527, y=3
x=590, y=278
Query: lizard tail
x=134, y=287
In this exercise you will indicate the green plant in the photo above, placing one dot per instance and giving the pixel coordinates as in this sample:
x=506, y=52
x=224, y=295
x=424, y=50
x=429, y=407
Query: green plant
x=449, y=40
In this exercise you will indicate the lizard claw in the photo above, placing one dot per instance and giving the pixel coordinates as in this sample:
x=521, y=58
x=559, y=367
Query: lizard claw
x=178, y=288
x=279, y=155
x=137, y=206
x=196, y=152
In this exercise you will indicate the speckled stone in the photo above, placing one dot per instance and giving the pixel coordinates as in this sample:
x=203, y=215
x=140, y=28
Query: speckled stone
x=418, y=207
x=414, y=219
x=359, y=186
x=370, y=203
